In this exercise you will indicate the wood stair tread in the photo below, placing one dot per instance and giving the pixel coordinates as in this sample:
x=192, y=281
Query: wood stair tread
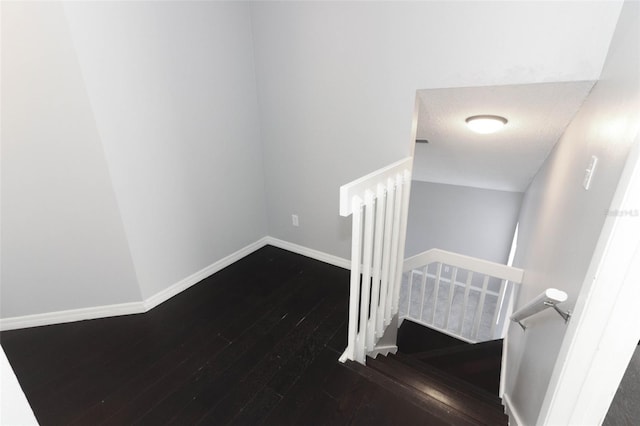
x=414, y=338
x=444, y=377
x=434, y=406
x=478, y=363
x=460, y=349
x=446, y=390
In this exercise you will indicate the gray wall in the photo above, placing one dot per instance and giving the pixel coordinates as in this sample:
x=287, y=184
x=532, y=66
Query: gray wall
x=131, y=137
x=63, y=241
x=471, y=221
x=173, y=91
x=131, y=153
x=560, y=222
x=337, y=83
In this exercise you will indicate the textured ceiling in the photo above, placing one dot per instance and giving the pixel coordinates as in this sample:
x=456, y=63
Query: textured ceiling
x=507, y=160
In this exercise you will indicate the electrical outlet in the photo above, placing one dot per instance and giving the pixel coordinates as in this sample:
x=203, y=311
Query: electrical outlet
x=294, y=220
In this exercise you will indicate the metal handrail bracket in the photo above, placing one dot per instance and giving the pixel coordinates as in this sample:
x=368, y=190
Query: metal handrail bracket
x=547, y=299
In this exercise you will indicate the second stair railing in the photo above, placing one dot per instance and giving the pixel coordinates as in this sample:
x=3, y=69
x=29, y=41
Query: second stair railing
x=458, y=295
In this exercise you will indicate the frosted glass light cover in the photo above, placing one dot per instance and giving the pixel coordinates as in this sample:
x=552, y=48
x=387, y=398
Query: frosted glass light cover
x=486, y=123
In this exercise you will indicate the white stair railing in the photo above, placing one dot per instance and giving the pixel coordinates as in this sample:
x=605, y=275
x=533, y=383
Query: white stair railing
x=449, y=292
x=379, y=203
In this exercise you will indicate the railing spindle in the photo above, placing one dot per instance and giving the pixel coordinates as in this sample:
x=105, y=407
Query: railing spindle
x=404, y=179
x=386, y=267
x=376, y=308
x=424, y=285
x=452, y=288
x=366, y=271
x=395, y=240
x=354, y=290
x=465, y=304
x=496, y=313
x=410, y=284
x=435, y=292
x=477, y=318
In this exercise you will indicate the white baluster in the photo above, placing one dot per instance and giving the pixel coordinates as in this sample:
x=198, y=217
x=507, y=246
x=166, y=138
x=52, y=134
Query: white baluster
x=396, y=263
x=452, y=287
x=496, y=313
x=424, y=285
x=365, y=293
x=477, y=318
x=376, y=307
x=405, y=180
x=354, y=297
x=386, y=256
x=409, y=293
x=436, y=287
x=465, y=304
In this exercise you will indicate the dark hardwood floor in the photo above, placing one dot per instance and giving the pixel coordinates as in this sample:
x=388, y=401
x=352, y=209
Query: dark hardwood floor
x=256, y=343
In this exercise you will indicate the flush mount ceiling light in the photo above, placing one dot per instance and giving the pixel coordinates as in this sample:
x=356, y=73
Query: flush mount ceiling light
x=486, y=123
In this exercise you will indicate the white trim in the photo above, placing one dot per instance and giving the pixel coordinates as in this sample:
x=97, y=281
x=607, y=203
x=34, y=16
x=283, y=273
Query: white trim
x=603, y=332
x=308, y=252
x=71, y=315
x=548, y=298
x=383, y=350
x=182, y=285
x=105, y=311
x=361, y=185
x=509, y=409
x=503, y=362
x=482, y=266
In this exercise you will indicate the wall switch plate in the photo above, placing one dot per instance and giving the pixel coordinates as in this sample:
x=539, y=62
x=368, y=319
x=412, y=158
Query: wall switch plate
x=588, y=173
x=294, y=220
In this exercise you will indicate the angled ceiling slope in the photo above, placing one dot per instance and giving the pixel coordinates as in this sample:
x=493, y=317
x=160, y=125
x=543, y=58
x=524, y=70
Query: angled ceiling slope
x=507, y=160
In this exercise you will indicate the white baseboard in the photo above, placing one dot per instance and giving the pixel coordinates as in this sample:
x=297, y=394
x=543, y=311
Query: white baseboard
x=71, y=315
x=514, y=417
x=105, y=311
x=182, y=285
x=313, y=254
x=129, y=308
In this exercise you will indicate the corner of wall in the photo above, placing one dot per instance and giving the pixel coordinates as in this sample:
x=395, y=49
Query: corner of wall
x=60, y=317
x=514, y=417
x=105, y=311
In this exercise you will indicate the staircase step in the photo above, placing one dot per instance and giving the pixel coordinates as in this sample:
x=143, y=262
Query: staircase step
x=478, y=363
x=413, y=338
x=422, y=400
x=490, y=346
x=442, y=376
x=459, y=397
